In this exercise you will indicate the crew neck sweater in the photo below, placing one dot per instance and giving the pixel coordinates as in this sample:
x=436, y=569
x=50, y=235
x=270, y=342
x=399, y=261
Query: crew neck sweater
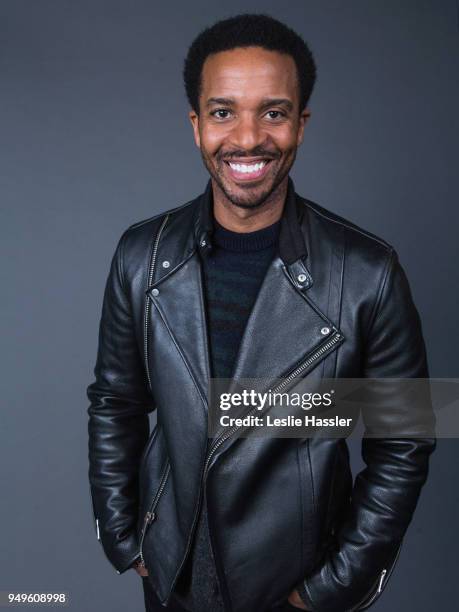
x=233, y=272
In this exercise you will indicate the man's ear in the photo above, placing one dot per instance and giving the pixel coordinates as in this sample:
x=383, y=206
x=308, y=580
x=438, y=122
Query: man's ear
x=194, y=118
x=304, y=117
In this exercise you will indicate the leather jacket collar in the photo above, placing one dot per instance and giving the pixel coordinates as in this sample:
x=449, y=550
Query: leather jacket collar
x=291, y=241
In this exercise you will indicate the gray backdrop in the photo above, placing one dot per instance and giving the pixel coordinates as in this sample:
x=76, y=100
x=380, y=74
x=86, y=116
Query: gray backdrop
x=94, y=136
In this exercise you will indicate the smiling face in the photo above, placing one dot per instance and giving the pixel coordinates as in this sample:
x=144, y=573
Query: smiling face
x=249, y=125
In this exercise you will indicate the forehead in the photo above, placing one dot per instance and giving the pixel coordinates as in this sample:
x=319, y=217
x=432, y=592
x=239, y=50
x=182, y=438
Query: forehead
x=248, y=73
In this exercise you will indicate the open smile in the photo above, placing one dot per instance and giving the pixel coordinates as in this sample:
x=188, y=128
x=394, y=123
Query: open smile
x=246, y=172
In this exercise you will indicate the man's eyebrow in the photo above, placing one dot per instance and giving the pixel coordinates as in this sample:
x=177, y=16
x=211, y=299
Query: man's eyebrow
x=225, y=101
x=265, y=103
x=277, y=102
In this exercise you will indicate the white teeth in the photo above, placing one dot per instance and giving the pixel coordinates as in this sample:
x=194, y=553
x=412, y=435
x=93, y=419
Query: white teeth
x=248, y=168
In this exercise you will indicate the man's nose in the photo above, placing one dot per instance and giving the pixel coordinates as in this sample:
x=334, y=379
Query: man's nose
x=247, y=133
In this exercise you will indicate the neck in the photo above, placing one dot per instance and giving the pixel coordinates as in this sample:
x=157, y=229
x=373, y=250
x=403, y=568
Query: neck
x=237, y=219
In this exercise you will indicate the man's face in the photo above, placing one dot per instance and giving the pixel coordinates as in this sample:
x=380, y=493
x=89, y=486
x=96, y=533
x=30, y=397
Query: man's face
x=249, y=125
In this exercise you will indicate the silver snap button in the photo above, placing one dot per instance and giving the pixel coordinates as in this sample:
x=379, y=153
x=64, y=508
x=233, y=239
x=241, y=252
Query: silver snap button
x=155, y=292
x=166, y=264
x=325, y=331
x=203, y=243
x=302, y=277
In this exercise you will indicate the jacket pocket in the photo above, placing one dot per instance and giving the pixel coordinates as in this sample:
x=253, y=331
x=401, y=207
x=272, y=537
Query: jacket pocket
x=152, y=472
x=150, y=515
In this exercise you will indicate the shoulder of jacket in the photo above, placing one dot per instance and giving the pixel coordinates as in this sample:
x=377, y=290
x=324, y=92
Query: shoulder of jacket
x=136, y=241
x=356, y=237
x=141, y=233
x=156, y=220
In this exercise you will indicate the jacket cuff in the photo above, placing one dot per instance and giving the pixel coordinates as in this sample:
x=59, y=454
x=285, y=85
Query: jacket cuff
x=304, y=594
x=129, y=564
x=123, y=556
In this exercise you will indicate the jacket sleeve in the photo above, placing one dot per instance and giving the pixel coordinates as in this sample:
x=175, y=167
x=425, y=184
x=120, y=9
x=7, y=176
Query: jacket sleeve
x=386, y=492
x=118, y=425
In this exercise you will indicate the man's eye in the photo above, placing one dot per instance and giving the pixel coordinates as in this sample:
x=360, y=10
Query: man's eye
x=217, y=113
x=278, y=112
x=219, y=110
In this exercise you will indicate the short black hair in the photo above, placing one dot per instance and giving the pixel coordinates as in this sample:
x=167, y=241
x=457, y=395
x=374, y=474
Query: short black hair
x=248, y=30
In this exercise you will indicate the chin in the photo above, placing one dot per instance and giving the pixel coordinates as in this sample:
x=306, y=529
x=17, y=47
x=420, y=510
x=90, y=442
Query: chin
x=247, y=201
x=247, y=196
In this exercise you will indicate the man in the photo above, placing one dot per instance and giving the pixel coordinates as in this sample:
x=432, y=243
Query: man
x=249, y=279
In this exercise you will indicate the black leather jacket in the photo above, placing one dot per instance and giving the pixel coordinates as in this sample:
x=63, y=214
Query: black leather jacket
x=283, y=512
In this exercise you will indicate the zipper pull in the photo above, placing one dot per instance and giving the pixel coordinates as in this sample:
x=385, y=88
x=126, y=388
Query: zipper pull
x=149, y=518
x=383, y=573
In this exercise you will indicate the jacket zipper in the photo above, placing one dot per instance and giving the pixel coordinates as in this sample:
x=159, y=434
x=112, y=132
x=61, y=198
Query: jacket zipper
x=379, y=589
x=366, y=603
x=96, y=519
x=336, y=338
x=147, y=302
x=328, y=345
x=309, y=361
x=150, y=516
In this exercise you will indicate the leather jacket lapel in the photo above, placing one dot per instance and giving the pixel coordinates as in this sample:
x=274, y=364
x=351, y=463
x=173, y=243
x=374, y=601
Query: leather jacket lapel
x=286, y=336
x=179, y=299
x=283, y=328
